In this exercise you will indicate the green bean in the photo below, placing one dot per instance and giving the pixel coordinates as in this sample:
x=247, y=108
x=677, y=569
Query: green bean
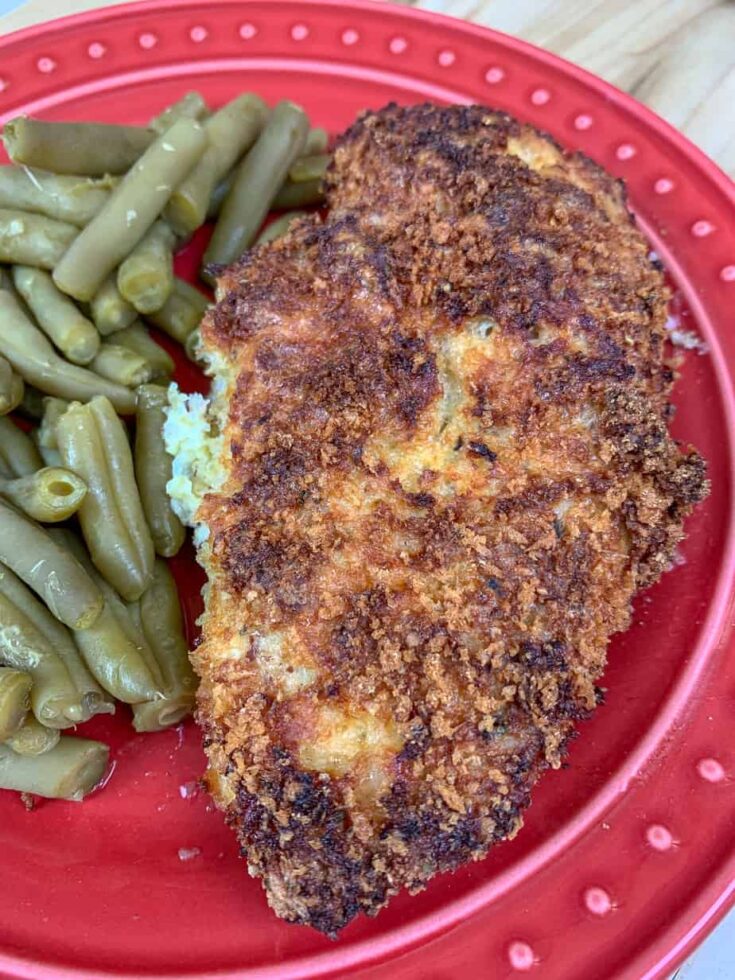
x=121, y=365
x=49, y=495
x=160, y=616
x=192, y=346
x=55, y=700
x=33, y=738
x=182, y=312
x=53, y=409
x=73, y=199
x=299, y=195
x=278, y=227
x=93, y=443
x=12, y=388
x=33, y=357
x=81, y=149
x=153, y=470
x=230, y=132
x=317, y=141
x=189, y=106
x=109, y=310
x=62, y=322
x=256, y=183
x=137, y=338
x=15, y=689
x=219, y=194
x=67, y=772
x=130, y=210
x=17, y=450
x=32, y=239
x=50, y=571
x=93, y=700
x=312, y=167
x=146, y=277
x=113, y=648
x=31, y=405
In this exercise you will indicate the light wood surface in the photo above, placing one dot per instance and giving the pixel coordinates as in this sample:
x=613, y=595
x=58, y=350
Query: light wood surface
x=677, y=56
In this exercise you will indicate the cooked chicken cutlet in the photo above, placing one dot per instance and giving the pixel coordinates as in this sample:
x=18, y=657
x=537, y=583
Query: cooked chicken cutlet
x=443, y=471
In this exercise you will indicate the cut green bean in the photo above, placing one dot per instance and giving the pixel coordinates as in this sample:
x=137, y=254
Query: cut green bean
x=130, y=210
x=219, y=194
x=93, y=699
x=312, y=167
x=49, y=495
x=109, y=310
x=17, y=450
x=80, y=149
x=60, y=319
x=146, y=277
x=192, y=347
x=189, y=106
x=75, y=200
x=182, y=312
x=53, y=409
x=114, y=649
x=12, y=388
x=33, y=357
x=230, y=132
x=137, y=338
x=33, y=738
x=317, y=141
x=93, y=443
x=256, y=183
x=299, y=195
x=55, y=700
x=69, y=771
x=15, y=700
x=278, y=227
x=153, y=471
x=50, y=571
x=32, y=239
x=121, y=365
x=162, y=624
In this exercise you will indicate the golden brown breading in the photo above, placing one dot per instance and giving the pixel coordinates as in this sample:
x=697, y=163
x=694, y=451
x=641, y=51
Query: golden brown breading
x=450, y=472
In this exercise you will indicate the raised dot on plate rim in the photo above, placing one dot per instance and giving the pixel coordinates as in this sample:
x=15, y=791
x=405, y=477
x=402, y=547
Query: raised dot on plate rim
x=446, y=58
x=147, y=40
x=299, y=32
x=597, y=900
x=583, y=121
x=198, y=33
x=727, y=273
x=540, y=96
x=711, y=770
x=702, y=228
x=96, y=50
x=521, y=956
x=397, y=45
x=663, y=185
x=3, y=84
x=46, y=65
x=350, y=36
x=247, y=31
x=625, y=151
x=494, y=75
x=659, y=837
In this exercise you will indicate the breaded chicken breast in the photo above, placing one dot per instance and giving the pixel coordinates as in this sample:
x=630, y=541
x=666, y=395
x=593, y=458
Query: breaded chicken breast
x=439, y=472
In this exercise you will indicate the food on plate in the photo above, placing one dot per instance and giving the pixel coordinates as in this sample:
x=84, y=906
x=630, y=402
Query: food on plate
x=33, y=239
x=69, y=771
x=434, y=471
x=299, y=195
x=129, y=212
x=94, y=444
x=137, y=338
x=74, y=200
x=120, y=364
x=79, y=149
x=278, y=227
x=60, y=319
x=18, y=454
x=33, y=738
x=181, y=313
x=15, y=689
x=256, y=183
x=146, y=277
x=49, y=495
x=308, y=168
x=317, y=141
x=153, y=471
x=109, y=310
x=12, y=388
x=189, y=106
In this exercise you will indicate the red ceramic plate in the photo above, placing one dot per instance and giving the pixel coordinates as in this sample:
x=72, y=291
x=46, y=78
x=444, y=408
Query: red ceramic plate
x=626, y=859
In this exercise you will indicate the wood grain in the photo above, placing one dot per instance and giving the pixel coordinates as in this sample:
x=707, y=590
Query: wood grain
x=677, y=56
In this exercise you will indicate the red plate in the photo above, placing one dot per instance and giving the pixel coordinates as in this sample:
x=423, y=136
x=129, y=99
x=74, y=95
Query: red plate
x=626, y=859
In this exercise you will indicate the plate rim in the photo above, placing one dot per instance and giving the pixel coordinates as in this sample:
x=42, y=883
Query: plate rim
x=656, y=956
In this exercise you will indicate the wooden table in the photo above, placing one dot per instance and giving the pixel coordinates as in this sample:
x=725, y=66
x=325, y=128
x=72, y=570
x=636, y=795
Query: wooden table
x=677, y=56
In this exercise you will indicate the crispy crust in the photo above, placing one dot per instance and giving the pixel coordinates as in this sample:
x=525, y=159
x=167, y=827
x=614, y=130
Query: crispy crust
x=450, y=473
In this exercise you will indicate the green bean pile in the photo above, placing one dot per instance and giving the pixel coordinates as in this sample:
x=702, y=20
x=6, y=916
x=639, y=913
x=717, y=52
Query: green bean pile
x=91, y=216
